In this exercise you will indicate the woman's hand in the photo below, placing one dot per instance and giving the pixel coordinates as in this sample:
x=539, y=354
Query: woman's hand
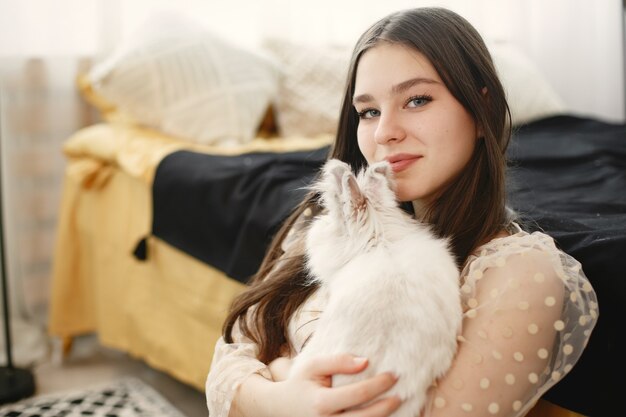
x=308, y=392
x=279, y=368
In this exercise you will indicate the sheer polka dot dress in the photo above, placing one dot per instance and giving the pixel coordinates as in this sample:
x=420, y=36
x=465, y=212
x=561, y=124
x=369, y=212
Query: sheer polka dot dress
x=528, y=313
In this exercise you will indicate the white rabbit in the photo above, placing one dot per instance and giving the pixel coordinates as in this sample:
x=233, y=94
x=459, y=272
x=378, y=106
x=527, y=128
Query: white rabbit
x=392, y=286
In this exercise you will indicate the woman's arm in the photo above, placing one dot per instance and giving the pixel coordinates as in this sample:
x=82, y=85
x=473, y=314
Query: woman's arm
x=239, y=385
x=233, y=363
x=309, y=393
x=524, y=327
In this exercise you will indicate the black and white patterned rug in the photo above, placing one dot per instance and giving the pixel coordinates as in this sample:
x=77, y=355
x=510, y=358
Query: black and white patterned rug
x=126, y=397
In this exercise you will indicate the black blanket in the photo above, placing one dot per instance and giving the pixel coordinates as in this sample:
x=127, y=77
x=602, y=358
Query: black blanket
x=567, y=178
x=224, y=210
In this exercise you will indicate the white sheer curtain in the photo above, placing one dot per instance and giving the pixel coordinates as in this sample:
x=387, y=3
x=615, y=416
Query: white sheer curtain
x=42, y=46
x=576, y=43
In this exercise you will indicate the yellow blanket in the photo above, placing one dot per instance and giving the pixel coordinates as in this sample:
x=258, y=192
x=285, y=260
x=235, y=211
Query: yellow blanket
x=167, y=310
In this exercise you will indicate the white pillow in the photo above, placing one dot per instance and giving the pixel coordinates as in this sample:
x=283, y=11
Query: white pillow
x=529, y=94
x=311, y=87
x=188, y=83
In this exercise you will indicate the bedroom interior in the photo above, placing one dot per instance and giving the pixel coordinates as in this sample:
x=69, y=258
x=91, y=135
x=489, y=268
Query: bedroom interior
x=104, y=131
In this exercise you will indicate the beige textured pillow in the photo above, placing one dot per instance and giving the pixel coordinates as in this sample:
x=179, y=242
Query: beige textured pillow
x=311, y=87
x=189, y=84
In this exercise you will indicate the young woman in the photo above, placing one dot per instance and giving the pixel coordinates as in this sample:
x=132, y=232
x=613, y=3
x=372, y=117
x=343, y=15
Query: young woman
x=423, y=94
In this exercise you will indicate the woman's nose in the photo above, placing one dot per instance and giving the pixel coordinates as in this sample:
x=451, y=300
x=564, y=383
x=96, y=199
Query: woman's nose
x=389, y=128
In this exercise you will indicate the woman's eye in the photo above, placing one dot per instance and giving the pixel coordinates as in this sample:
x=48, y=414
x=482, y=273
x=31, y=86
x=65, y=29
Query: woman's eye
x=368, y=113
x=418, y=101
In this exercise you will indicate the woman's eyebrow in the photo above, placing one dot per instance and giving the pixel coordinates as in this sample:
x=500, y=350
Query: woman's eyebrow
x=396, y=89
x=405, y=85
x=362, y=98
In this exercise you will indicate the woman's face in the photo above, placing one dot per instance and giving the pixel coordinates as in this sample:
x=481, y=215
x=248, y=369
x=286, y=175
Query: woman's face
x=408, y=117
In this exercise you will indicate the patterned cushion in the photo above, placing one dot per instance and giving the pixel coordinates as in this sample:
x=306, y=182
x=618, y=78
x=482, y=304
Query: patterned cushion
x=189, y=84
x=311, y=87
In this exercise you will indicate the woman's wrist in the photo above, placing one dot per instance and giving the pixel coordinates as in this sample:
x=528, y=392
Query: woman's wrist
x=255, y=398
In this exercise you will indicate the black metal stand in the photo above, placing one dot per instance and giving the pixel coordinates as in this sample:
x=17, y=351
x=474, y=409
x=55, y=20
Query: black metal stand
x=15, y=383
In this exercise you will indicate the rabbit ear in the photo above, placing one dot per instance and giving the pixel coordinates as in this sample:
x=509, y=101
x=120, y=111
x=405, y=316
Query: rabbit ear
x=333, y=172
x=383, y=168
x=330, y=185
x=379, y=174
x=353, y=197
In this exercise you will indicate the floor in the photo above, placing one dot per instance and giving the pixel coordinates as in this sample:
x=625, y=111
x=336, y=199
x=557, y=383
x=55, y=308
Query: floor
x=89, y=363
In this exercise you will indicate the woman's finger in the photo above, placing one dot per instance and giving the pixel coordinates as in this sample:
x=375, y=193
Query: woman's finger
x=381, y=408
x=279, y=368
x=324, y=366
x=361, y=392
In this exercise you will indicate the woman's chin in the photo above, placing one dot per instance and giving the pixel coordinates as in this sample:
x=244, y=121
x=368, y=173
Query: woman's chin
x=405, y=196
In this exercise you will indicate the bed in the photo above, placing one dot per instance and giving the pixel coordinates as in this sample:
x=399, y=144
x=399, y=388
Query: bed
x=161, y=223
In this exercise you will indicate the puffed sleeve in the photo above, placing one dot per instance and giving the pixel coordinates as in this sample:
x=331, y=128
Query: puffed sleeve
x=528, y=314
x=232, y=364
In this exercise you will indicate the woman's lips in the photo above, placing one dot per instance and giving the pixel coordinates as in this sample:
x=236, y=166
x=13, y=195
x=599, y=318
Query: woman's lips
x=402, y=162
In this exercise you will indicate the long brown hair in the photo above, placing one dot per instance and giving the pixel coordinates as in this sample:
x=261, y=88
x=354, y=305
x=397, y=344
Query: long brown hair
x=468, y=212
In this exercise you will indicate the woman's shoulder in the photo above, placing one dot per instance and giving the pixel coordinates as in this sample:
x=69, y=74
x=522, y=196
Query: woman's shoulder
x=516, y=256
x=535, y=247
x=531, y=264
x=516, y=237
x=525, y=257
